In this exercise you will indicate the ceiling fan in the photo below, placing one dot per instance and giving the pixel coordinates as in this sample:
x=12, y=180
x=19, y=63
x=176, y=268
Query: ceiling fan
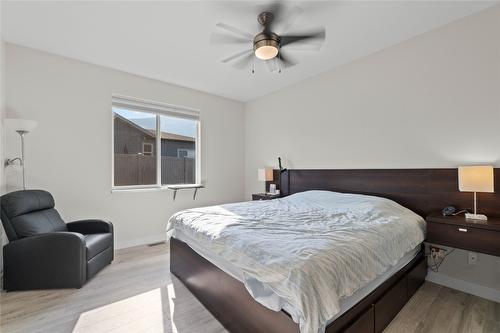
x=268, y=45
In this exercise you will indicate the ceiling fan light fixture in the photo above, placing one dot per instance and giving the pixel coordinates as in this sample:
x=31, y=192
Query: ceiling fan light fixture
x=266, y=45
x=266, y=52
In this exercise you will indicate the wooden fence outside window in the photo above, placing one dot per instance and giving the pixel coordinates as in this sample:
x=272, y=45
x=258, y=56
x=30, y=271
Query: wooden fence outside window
x=138, y=169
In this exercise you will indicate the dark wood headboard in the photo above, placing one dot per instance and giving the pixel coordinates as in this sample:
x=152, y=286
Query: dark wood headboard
x=422, y=190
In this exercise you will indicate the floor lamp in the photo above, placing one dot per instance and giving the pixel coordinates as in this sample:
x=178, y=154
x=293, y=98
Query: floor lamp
x=22, y=127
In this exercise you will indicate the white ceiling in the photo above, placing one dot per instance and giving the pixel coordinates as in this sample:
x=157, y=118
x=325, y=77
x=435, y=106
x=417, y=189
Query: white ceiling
x=169, y=41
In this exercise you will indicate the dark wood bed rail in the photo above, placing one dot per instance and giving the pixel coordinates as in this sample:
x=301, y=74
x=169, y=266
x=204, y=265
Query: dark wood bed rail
x=229, y=301
x=424, y=191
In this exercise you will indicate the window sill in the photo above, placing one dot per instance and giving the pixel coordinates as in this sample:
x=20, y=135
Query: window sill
x=184, y=186
x=151, y=189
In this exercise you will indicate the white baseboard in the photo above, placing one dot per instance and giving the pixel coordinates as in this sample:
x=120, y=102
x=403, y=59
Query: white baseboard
x=465, y=286
x=141, y=241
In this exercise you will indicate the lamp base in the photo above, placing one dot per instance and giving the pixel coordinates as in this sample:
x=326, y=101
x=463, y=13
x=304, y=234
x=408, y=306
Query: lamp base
x=481, y=217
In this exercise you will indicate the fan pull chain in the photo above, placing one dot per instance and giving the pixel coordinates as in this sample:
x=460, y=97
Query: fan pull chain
x=253, y=65
x=280, y=63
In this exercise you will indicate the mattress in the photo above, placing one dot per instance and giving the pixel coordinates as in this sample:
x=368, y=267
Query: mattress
x=345, y=303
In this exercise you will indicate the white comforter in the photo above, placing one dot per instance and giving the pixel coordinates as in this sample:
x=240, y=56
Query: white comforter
x=311, y=248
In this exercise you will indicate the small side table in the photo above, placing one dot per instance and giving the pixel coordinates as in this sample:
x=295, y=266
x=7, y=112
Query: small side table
x=264, y=196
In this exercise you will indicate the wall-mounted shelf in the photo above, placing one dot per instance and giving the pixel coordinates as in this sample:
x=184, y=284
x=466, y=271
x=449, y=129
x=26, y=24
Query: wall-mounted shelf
x=175, y=188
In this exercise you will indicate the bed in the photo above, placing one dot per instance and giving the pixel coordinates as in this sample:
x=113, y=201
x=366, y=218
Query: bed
x=313, y=261
x=311, y=254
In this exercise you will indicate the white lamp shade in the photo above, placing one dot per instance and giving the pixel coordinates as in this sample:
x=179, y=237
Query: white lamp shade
x=265, y=174
x=476, y=179
x=15, y=124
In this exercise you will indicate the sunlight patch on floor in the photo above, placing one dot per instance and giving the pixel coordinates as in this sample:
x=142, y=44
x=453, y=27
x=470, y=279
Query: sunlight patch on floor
x=171, y=297
x=139, y=313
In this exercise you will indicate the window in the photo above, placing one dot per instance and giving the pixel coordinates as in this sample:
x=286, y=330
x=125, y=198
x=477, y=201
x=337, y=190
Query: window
x=185, y=153
x=147, y=149
x=154, y=144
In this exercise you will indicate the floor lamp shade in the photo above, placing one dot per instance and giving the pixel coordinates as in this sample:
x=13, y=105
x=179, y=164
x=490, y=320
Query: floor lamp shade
x=20, y=125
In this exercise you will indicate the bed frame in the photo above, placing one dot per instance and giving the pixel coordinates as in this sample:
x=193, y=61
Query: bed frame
x=422, y=190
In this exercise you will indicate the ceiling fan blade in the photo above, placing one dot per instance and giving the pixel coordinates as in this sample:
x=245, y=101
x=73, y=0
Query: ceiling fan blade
x=286, y=61
x=216, y=38
x=291, y=17
x=290, y=39
x=245, y=61
x=237, y=55
x=303, y=46
x=234, y=30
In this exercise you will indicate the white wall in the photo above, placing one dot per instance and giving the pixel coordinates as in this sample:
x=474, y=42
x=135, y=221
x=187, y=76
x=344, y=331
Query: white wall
x=2, y=137
x=432, y=101
x=69, y=154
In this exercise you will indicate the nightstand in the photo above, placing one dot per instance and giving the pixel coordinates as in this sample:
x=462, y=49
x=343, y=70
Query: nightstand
x=264, y=196
x=460, y=233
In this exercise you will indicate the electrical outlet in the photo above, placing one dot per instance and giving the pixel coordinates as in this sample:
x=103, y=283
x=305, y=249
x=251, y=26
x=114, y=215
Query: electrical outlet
x=437, y=253
x=472, y=258
x=434, y=253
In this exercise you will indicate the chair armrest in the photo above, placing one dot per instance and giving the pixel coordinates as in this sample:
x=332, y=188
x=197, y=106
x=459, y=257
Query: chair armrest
x=51, y=260
x=91, y=226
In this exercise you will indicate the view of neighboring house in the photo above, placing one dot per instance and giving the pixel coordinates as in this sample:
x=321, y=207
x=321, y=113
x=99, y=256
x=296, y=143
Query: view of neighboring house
x=131, y=138
x=135, y=147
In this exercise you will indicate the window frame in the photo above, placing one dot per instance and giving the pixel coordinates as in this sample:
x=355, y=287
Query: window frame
x=158, y=109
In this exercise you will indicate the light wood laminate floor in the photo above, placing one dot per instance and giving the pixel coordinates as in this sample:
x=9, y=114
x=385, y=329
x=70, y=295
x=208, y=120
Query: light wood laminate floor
x=137, y=293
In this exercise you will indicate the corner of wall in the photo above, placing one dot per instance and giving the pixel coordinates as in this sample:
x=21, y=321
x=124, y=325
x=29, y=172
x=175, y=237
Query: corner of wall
x=2, y=136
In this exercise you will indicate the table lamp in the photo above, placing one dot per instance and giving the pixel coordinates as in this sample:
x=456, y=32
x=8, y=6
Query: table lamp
x=265, y=175
x=476, y=179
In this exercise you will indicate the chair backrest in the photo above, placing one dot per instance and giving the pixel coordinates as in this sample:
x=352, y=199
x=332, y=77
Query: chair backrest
x=28, y=213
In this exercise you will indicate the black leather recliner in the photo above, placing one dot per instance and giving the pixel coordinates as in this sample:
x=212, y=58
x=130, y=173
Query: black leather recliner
x=44, y=252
